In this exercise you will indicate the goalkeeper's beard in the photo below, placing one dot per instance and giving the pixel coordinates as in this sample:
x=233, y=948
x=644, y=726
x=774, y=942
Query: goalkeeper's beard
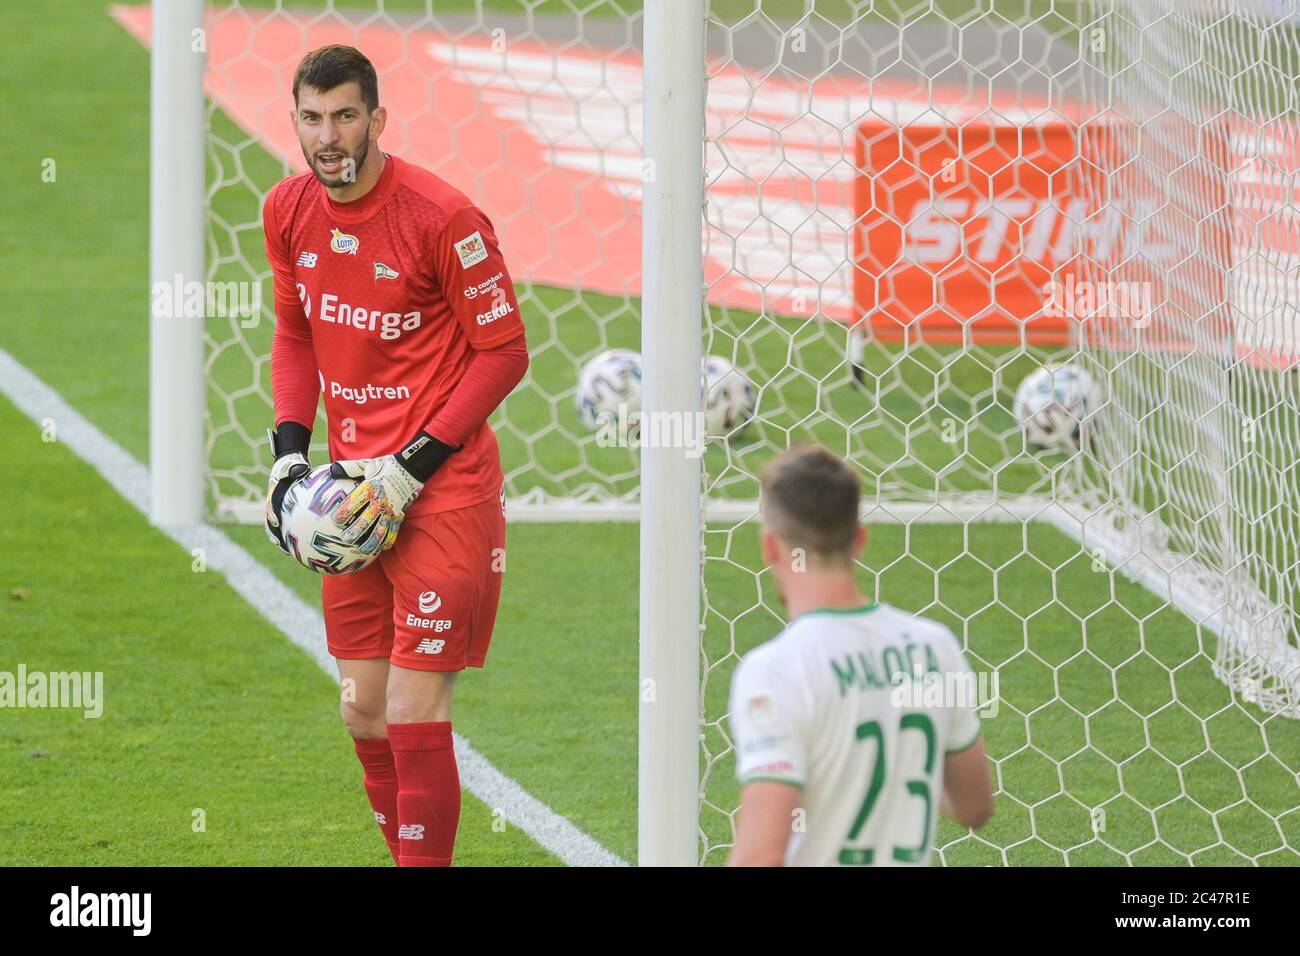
x=359, y=160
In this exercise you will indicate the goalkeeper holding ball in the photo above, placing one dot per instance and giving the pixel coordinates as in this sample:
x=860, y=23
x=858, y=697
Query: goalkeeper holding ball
x=391, y=294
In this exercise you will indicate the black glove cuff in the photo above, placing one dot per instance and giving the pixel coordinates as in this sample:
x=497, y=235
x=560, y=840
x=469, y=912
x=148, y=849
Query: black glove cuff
x=290, y=437
x=424, y=454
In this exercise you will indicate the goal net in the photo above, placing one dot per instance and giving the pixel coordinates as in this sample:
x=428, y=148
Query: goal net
x=950, y=198
x=910, y=206
x=1196, y=107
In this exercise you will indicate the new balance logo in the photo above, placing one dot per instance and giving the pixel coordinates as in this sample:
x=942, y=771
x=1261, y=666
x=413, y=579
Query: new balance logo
x=430, y=646
x=410, y=831
x=380, y=818
x=307, y=260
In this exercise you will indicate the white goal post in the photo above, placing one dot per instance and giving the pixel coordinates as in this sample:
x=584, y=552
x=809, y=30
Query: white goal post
x=671, y=333
x=177, y=215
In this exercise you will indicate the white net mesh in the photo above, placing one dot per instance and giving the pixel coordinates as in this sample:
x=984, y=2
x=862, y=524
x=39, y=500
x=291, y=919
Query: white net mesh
x=1199, y=118
x=981, y=157
x=535, y=115
x=891, y=186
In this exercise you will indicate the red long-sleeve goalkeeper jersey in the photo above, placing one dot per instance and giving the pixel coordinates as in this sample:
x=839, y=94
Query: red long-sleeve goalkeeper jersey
x=381, y=302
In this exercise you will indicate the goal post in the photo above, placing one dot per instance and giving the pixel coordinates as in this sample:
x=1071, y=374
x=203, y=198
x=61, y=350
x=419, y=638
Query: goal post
x=177, y=209
x=672, y=311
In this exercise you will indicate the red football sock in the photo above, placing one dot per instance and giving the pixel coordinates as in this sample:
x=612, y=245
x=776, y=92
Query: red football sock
x=381, y=786
x=428, y=792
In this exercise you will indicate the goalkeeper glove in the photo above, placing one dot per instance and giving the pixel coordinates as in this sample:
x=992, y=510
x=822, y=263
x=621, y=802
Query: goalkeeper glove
x=289, y=445
x=389, y=485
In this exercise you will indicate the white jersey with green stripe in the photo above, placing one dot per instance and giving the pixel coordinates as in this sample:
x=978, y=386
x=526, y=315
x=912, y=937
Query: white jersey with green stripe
x=857, y=707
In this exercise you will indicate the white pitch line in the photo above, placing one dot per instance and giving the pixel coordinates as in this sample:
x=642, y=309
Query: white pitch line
x=282, y=607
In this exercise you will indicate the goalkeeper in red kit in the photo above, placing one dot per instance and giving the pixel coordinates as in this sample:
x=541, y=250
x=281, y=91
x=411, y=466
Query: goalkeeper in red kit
x=392, y=296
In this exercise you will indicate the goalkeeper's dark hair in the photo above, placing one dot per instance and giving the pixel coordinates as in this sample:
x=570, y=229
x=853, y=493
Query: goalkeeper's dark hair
x=809, y=498
x=334, y=65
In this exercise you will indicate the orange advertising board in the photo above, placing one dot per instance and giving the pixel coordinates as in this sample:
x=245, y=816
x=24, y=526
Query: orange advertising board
x=995, y=232
x=959, y=228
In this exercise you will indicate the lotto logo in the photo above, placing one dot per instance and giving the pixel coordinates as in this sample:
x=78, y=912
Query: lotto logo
x=431, y=646
x=344, y=242
x=307, y=260
x=410, y=831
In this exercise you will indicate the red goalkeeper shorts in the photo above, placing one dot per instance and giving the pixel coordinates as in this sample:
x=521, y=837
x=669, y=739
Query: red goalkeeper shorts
x=428, y=603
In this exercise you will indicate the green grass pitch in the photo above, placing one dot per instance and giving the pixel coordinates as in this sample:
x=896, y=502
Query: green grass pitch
x=209, y=708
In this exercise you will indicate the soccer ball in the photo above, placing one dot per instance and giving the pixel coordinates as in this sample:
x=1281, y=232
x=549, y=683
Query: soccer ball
x=308, y=527
x=610, y=380
x=729, y=398
x=609, y=391
x=1053, y=405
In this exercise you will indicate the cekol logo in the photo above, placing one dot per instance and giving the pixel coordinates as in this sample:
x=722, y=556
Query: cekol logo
x=342, y=242
x=501, y=311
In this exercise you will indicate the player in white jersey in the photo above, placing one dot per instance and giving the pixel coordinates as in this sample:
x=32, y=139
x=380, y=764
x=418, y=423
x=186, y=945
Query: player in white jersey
x=856, y=724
